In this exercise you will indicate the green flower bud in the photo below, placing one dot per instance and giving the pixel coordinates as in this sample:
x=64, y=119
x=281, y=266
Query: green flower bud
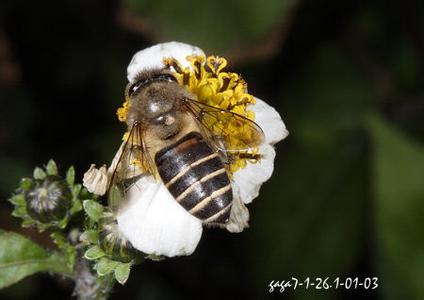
x=49, y=199
x=114, y=243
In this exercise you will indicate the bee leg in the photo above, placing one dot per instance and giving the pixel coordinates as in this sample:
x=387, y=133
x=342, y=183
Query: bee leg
x=250, y=156
x=117, y=158
x=239, y=216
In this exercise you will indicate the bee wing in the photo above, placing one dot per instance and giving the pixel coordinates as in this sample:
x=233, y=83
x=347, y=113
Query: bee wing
x=230, y=132
x=131, y=161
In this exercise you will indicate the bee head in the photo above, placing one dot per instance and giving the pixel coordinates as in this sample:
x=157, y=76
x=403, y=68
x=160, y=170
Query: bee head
x=154, y=101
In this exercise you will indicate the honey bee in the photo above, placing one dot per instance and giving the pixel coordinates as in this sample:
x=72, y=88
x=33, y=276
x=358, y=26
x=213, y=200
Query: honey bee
x=173, y=136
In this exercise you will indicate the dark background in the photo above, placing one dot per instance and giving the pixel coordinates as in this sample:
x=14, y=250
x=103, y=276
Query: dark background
x=347, y=195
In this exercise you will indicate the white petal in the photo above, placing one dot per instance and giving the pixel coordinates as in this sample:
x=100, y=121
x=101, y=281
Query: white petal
x=239, y=217
x=96, y=180
x=152, y=57
x=270, y=121
x=249, y=180
x=155, y=223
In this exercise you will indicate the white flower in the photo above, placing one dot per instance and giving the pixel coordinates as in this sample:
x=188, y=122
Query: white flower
x=151, y=219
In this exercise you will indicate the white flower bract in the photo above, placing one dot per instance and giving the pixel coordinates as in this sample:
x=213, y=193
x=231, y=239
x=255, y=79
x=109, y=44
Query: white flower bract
x=96, y=180
x=151, y=219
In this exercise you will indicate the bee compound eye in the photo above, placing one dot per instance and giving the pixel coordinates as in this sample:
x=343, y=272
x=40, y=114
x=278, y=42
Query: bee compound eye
x=167, y=77
x=133, y=88
x=137, y=85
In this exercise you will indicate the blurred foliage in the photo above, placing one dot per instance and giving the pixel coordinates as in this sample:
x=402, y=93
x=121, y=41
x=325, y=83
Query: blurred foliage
x=20, y=257
x=347, y=195
x=399, y=191
x=322, y=183
x=215, y=25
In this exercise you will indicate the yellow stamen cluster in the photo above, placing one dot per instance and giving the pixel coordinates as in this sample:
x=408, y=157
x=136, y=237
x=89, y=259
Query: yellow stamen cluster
x=212, y=86
x=226, y=90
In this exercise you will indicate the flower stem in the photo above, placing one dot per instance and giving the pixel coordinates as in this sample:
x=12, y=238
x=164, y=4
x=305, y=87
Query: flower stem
x=89, y=286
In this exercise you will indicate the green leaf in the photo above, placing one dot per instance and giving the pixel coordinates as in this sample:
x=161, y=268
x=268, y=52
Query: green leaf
x=84, y=193
x=25, y=184
x=18, y=199
x=93, y=209
x=76, y=189
x=39, y=173
x=105, y=266
x=114, y=197
x=398, y=166
x=59, y=239
x=19, y=212
x=68, y=249
x=28, y=223
x=20, y=257
x=122, y=272
x=76, y=206
x=89, y=236
x=94, y=252
x=51, y=168
x=43, y=226
x=70, y=175
x=64, y=222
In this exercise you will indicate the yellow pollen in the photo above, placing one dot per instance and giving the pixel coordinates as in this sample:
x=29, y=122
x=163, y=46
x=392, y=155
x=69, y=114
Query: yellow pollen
x=123, y=111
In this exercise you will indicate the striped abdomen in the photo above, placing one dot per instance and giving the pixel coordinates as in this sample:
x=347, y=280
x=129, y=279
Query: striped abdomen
x=195, y=175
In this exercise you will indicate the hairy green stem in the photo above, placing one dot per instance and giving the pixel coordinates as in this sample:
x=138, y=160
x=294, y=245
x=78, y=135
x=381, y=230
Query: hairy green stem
x=89, y=286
